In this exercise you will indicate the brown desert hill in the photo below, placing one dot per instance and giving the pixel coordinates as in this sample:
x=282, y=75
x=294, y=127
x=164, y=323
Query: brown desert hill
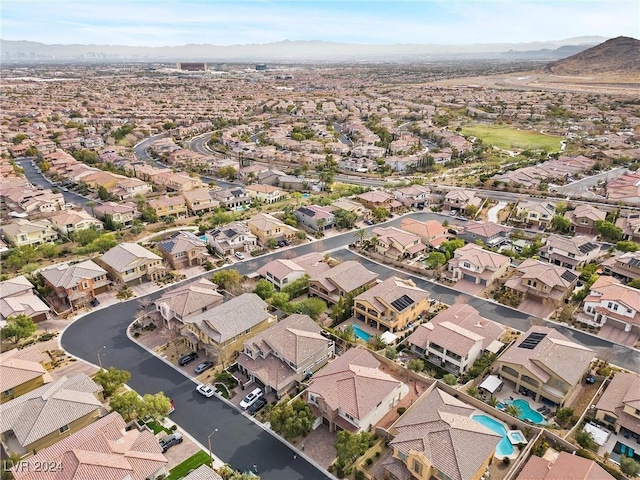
x=620, y=55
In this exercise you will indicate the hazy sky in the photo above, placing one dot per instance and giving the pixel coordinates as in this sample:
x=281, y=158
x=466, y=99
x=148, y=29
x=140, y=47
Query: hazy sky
x=178, y=22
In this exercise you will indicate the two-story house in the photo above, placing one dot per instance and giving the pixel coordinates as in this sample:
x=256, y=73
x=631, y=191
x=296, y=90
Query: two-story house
x=537, y=214
x=437, y=437
x=489, y=233
x=76, y=284
x=315, y=217
x=265, y=193
x=230, y=238
x=391, y=305
x=458, y=200
x=69, y=221
x=22, y=371
x=222, y=330
x=352, y=393
x=281, y=272
x=21, y=232
x=619, y=405
x=183, y=249
x=17, y=296
x=44, y=416
x=353, y=207
x=127, y=188
x=338, y=282
x=569, y=252
x=232, y=198
x=285, y=354
x=397, y=244
x=545, y=365
x=380, y=199
x=177, y=306
x=583, y=219
x=431, y=232
x=630, y=226
x=130, y=263
x=616, y=305
x=456, y=337
x=169, y=206
x=120, y=213
x=625, y=267
x=413, y=196
x=265, y=226
x=200, y=200
x=477, y=265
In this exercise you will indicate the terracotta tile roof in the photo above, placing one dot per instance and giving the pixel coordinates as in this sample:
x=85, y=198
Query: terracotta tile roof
x=69, y=276
x=624, y=389
x=479, y=257
x=103, y=450
x=428, y=229
x=347, y=276
x=382, y=295
x=191, y=298
x=610, y=289
x=20, y=366
x=565, y=466
x=549, y=274
x=485, y=229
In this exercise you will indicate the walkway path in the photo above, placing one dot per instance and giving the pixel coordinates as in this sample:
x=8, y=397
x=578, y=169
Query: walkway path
x=492, y=214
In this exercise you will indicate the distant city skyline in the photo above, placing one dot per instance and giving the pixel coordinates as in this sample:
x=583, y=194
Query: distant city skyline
x=180, y=22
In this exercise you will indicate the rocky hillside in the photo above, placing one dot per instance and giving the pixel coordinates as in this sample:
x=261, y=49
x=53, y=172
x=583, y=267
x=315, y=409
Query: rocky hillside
x=619, y=55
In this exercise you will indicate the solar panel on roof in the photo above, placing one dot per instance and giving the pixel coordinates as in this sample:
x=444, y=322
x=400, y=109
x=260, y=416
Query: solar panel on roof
x=568, y=276
x=587, y=247
x=230, y=232
x=532, y=340
x=403, y=302
x=307, y=212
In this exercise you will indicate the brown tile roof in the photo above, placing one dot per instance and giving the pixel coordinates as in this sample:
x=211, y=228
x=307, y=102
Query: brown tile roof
x=103, y=450
x=624, y=389
x=353, y=383
x=347, y=276
x=382, y=295
x=191, y=298
x=610, y=289
x=440, y=426
x=20, y=366
x=480, y=257
x=485, y=229
x=565, y=467
x=547, y=273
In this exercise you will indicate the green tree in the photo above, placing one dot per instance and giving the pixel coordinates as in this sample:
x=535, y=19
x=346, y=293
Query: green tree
x=634, y=283
x=473, y=391
x=451, y=246
x=450, y=379
x=380, y=213
x=264, y=289
x=154, y=406
x=18, y=327
x=48, y=250
x=391, y=353
x=103, y=193
x=313, y=307
x=627, y=246
x=564, y=414
x=471, y=211
x=608, y=230
x=149, y=215
x=280, y=300
x=85, y=237
x=229, y=280
x=359, y=236
x=585, y=440
x=416, y=364
x=292, y=419
x=350, y=446
x=513, y=410
x=22, y=255
x=629, y=466
x=272, y=243
x=19, y=138
x=297, y=196
x=111, y=379
x=344, y=218
x=435, y=260
x=126, y=404
x=227, y=172
x=560, y=224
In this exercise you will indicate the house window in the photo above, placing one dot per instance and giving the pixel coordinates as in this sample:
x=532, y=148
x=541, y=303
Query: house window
x=402, y=456
x=63, y=428
x=609, y=419
x=204, y=309
x=417, y=467
x=8, y=393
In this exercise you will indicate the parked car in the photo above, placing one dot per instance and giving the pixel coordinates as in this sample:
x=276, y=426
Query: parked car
x=188, y=358
x=368, y=222
x=251, y=398
x=169, y=441
x=172, y=408
x=95, y=302
x=239, y=256
x=286, y=242
x=590, y=379
x=206, y=389
x=204, y=366
x=281, y=243
x=257, y=406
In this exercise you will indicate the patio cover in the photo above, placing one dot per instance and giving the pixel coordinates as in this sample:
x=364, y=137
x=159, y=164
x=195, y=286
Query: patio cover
x=388, y=338
x=599, y=435
x=491, y=383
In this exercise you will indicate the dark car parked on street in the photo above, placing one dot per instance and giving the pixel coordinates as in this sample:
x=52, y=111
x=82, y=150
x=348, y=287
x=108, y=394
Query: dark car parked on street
x=188, y=358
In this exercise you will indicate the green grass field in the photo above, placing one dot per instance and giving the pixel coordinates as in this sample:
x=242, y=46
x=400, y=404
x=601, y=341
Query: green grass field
x=510, y=138
x=190, y=463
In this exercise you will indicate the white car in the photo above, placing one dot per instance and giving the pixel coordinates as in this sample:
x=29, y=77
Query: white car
x=251, y=398
x=206, y=389
x=239, y=256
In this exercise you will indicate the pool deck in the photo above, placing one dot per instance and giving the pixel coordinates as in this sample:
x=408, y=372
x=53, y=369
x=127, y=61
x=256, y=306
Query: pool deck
x=507, y=395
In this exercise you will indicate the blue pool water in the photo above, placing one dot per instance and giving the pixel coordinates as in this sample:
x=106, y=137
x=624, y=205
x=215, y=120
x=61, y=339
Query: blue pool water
x=305, y=195
x=528, y=413
x=204, y=238
x=361, y=334
x=504, y=448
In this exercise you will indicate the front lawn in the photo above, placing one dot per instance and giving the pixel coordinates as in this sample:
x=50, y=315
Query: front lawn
x=506, y=137
x=191, y=463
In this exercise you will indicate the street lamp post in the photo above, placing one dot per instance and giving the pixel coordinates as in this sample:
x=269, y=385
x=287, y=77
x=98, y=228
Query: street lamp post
x=100, y=357
x=209, y=441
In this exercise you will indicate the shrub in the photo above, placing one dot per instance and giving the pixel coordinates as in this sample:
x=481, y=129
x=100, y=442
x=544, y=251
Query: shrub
x=506, y=461
x=359, y=474
x=369, y=461
x=401, y=410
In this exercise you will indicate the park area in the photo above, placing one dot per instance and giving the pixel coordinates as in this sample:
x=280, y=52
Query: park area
x=508, y=138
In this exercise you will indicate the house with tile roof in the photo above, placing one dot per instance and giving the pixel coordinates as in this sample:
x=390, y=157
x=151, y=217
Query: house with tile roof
x=230, y=238
x=166, y=206
x=457, y=200
x=350, y=206
x=624, y=267
x=222, y=330
x=391, y=305
x=76, y=284
x=265, y=193
x=23, y=370
x=315, y=217
x=21, y=232
x=570, y=252
x=583, y=219
x=340, y=281
x=103, y=450
x=180, y=304
x=265, y=226
x=352, y=393
x=619, y=405
x=232, y=198
x=203, y=472
x=414, y=196
x=286, y=353
x=130, y=263
x=542, y=283
x=564, y=466
x=477, y=265
x=43, y=416
x=534, y=213
x=200, y=200
x=122, y=213
x=630, y=226
x=128, y=188
x=379, y=199
x=489, y=233
x=183, y=249
x=545, y=365
x=397, y=244
x=17, y=296
x=282, y=271
x=431, y=232
x=456, y=338
x=437, y=437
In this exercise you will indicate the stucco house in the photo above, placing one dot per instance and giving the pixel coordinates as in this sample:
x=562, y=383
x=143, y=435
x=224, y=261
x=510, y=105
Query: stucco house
x=17, y=296
x=230, y=238
x=22, y=371
x=477, y=265
x=340, y=281
x=183, y=249
x=177, y=306
x=77, y=284
x=619, y=405
x=130, y=263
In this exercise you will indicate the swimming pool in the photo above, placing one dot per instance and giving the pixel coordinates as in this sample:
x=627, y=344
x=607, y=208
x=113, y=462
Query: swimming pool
x=528, y=413
x=361, y=334
x=504, y=448
x=516, y=437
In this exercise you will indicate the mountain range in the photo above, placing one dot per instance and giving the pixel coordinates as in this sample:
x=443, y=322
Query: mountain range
x=21, y=51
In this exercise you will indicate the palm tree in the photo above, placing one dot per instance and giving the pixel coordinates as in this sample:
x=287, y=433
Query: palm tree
x=493, y=401
x=359, y=236
x=513, y=410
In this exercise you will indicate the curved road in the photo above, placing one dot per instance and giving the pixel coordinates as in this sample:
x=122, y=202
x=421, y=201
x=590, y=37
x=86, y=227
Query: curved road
x=239, y=441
